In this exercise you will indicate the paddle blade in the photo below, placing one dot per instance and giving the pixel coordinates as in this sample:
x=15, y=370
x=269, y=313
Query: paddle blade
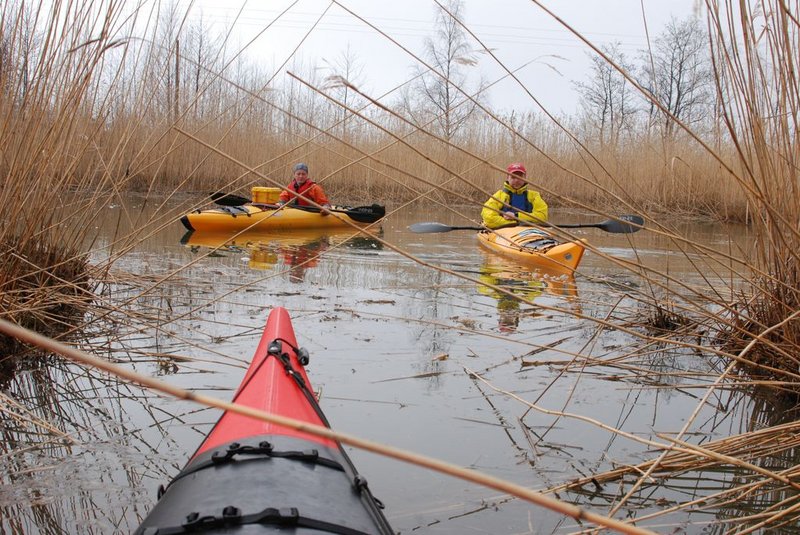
x=361, y=214
x=427, y=228
x=628, y=224
x=228, y=199
x=366, y=214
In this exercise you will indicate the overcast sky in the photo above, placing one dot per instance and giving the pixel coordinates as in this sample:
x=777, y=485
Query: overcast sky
x=518, y=32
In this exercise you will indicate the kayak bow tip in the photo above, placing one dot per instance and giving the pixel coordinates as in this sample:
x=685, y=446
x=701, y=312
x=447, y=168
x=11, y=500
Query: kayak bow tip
x=186, y=223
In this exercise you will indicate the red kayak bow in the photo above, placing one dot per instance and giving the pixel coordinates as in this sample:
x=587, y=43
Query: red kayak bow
x=250, y=476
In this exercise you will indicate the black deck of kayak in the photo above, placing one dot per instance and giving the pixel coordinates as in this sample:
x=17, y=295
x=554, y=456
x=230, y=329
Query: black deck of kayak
x=268, y=484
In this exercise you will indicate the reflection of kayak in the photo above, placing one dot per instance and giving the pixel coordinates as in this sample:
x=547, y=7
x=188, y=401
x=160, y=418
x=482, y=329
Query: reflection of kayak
x=267, y=218
x=250, y=476
x=525, y=282
x=296, y=247
x=250, y=239
x=533, y=245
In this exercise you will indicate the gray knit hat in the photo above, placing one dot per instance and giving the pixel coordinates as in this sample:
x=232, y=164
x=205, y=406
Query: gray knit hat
x=300, y=166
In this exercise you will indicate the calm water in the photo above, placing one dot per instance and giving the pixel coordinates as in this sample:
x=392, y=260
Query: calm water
x=391, y=342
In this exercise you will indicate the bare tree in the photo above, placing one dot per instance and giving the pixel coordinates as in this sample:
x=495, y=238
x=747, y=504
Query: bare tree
x=205, y=52
x=167, y=33
x=440, y=95
x=20, y=47
x=608, y=99
x=348, y=68
x=677, y=72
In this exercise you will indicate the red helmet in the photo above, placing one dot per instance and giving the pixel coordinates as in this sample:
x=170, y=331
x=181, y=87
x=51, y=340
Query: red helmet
x=516, y=167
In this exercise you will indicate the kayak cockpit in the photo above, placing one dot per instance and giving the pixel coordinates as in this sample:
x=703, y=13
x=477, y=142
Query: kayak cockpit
x=263, y=484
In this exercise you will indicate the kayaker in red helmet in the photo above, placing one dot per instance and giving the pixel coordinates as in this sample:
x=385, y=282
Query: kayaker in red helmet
x=515, y=201
x=302, y=185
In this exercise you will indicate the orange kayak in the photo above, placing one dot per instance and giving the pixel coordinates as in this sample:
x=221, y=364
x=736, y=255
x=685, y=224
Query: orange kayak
x=266, y=218
x=533, y=245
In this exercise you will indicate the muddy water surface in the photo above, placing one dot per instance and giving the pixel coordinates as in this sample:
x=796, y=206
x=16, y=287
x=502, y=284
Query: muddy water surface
x=394, y=345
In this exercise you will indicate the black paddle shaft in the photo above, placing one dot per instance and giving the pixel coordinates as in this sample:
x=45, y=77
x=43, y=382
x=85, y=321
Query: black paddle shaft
x=228, y=199
x=428, y=228
x=361, y=214
x=625, y=224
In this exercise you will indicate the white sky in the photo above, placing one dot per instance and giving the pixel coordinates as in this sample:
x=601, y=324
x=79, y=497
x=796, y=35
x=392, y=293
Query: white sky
x=517, y=31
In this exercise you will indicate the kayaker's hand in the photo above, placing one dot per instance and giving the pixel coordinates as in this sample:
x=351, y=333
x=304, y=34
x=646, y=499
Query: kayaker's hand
x=509, y=216
x=324, y=211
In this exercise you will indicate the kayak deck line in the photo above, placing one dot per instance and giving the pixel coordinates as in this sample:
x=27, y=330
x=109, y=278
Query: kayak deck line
x=263, y=450
x=264, y=503
x=249, y=476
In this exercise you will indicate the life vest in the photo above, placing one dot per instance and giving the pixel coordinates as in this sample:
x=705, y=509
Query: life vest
x=307, y=185
x=519, y=201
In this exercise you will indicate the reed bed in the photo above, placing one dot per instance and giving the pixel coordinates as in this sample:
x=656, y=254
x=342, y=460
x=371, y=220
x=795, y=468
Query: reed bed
x=760, y=108
x=45, y=287
x=272, y=127
x=87, y=120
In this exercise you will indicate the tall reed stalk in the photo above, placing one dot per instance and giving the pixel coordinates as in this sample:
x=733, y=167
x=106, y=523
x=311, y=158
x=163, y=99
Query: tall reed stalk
x=756, y=55
x=49, y=128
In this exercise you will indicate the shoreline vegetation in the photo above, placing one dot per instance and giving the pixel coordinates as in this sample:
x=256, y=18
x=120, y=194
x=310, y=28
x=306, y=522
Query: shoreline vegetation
x=107, y=102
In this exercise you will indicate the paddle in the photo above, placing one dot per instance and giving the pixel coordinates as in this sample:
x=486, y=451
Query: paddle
x=362, y=214
x=626, y=224
x=228, y=199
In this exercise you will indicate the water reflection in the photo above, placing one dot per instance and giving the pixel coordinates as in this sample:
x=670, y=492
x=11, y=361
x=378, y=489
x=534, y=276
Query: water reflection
x=77, y=450
x=297, y=251
x=523, y=283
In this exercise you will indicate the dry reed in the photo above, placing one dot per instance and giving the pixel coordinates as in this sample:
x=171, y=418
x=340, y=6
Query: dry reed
x=759, y=106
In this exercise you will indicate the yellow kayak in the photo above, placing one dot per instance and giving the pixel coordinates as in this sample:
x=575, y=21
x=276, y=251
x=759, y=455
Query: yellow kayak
x=271, y=218
x=534, y=245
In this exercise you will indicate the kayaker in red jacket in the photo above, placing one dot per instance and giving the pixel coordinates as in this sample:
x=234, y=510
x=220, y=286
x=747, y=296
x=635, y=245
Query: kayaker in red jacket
x=302, y=185
x=515, y=201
